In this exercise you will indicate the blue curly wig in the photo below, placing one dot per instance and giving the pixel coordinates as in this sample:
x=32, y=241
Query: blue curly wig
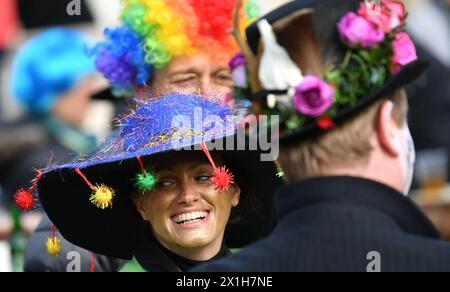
x=49, y=65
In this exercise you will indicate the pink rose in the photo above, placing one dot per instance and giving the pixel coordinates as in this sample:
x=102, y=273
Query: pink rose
x=313, y=96
x=389, y=16
x=356, y=30
x=397, y=10
x=404, y=51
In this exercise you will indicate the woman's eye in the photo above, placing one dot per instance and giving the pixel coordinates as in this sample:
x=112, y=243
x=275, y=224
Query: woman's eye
x=165, y=184
x=203, y=178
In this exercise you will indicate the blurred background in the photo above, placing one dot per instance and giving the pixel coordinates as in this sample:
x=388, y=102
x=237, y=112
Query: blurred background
x=32, y=83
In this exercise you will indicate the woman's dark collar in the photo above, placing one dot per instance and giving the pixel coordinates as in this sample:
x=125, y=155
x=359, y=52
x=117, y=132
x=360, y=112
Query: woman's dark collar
x=154, y=257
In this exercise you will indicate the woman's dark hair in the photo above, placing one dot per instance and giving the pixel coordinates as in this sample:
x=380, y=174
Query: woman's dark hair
x=248, y=206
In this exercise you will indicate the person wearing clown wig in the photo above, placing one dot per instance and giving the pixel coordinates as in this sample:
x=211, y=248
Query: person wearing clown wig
x=170, y=45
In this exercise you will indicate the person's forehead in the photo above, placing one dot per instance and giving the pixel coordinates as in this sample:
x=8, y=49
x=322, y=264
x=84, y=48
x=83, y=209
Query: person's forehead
x=179, y=158
x=200, y=61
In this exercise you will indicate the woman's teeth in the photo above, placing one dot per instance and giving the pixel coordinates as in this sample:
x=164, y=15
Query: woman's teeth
x=190, y=217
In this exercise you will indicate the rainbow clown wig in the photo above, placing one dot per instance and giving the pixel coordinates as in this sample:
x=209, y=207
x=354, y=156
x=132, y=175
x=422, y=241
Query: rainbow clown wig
x=155, y=31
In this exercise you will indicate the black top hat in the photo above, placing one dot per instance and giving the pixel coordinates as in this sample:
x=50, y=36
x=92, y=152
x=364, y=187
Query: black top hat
x=317, y=62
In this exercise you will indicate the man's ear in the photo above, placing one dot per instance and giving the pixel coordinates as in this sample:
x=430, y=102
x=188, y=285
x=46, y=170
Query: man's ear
x=236, y=196
x=140, y=206
x=388, y=130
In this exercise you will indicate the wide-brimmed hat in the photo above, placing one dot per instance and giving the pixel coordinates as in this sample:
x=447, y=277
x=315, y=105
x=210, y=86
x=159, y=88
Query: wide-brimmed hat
x=90, y=200
x=316, y=63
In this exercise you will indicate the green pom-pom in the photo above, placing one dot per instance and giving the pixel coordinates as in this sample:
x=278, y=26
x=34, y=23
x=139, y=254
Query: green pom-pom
x=146, y=183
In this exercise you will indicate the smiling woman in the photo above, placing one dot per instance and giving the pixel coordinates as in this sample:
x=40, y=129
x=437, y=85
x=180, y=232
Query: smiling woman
x=170, y=209
x=187, y=214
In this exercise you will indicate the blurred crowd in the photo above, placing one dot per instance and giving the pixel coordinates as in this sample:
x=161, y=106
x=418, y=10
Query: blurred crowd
x=54, y=104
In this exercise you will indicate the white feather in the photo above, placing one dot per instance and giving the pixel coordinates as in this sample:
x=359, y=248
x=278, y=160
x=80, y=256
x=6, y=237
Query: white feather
x=277, y=70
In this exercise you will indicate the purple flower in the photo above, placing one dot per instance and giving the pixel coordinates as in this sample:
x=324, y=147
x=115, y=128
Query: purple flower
x=239, y=71
x=237, y=61
x=355, y=30
x=313, y=96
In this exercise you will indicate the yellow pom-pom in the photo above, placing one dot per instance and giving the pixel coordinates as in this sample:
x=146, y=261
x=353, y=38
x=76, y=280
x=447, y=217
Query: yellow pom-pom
x=103, y=197
x=54, y=246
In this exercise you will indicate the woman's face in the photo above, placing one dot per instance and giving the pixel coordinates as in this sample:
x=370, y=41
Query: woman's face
x=193, y=74
x=186, y=213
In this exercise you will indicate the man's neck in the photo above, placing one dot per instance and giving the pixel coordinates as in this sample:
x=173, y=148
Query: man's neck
x=364, y=172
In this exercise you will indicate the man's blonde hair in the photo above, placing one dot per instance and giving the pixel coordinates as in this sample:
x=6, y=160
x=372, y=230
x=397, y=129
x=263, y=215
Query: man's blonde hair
x=345, y=146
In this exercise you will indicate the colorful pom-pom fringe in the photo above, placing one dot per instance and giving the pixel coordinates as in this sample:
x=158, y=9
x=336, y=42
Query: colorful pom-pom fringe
x=146, y=182
x=54, y=246
x=222, y=179
x=102, y=197
x=25, y=199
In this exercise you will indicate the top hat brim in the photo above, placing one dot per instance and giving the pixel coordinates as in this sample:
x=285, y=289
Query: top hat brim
x=115, y=232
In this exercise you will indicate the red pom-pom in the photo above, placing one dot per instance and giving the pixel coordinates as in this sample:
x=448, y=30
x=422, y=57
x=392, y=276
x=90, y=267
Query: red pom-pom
x=25, y=199
x=222, y=179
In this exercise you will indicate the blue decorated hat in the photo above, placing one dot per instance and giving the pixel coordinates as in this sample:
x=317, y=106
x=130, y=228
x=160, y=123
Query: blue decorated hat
x=90, y=201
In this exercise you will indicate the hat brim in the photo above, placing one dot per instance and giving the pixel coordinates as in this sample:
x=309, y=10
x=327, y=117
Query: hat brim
x=115, y=232
x=407, y=75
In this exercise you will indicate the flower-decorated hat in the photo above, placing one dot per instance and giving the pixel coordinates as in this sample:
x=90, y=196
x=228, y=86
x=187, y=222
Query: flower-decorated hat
x=90, y=200
x=155, y=31
x=316, y=63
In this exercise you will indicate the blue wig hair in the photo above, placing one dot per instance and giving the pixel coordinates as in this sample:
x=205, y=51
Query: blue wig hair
x=49, y=65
